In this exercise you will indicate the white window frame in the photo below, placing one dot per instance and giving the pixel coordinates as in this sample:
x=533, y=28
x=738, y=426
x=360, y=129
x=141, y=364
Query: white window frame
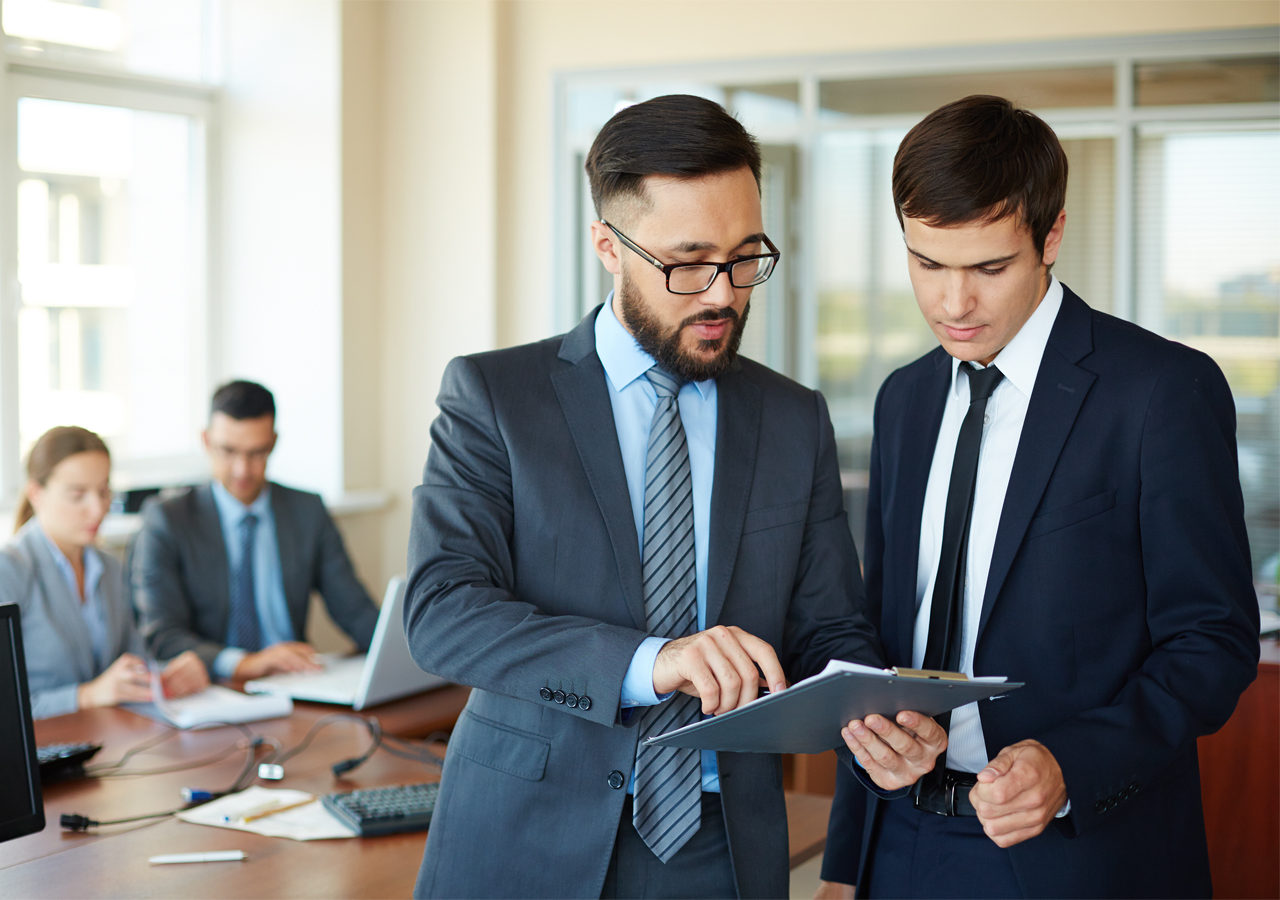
x=27, y=78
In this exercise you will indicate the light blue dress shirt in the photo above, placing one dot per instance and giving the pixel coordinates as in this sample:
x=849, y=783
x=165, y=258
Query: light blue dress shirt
x=95, y=618
x=634, y=399
x=268, y=580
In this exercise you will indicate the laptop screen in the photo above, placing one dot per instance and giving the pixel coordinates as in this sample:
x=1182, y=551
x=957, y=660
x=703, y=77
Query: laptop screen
x=21, y=801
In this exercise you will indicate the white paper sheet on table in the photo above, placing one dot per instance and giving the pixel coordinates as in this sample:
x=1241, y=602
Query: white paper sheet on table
x=312, y=822
x=214, y=705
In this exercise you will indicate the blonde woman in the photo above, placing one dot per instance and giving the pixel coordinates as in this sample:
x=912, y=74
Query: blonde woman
x=81, y=643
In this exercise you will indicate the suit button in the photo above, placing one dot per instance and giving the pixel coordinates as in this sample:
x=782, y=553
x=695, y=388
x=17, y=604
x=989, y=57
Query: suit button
x=1100, y=807
x=1133, y=788
x=616, y=780
x=558, y=696
x=571, y=701
x=584, y=703
x=545, y=693
x=1112, y=803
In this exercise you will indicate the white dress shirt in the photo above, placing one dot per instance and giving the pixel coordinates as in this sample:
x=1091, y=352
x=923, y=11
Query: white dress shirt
x=1002, y=428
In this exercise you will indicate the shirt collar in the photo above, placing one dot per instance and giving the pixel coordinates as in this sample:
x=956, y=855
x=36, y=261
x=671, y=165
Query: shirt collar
x=1019, y=361
x=231, y=510
x=620, y=354
x=92, y=564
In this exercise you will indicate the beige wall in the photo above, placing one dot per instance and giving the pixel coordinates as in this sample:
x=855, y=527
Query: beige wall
x=447, y=159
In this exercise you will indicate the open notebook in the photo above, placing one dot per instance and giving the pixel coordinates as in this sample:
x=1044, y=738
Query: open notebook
x=214, y=704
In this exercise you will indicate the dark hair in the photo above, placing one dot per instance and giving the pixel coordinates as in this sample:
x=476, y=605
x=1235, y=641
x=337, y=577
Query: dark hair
x=243, y=400
x=981, y=158
x=51, y=448
x=678, y=134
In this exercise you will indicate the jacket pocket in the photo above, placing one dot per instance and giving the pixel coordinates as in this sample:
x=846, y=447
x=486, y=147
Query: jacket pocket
x=773, y=516
x=505, y=749
x=1071, y=514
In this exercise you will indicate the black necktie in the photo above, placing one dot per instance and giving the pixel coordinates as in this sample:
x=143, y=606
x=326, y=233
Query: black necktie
x=946, y=612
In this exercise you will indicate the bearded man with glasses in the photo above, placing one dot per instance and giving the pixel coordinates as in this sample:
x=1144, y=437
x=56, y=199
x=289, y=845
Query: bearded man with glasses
x=621, y=529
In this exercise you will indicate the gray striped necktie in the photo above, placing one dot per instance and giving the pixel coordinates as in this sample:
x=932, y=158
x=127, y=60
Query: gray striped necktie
x=245, y=631
x=668, y=792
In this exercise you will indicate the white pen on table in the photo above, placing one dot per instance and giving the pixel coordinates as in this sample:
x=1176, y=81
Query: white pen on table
x=211, y=856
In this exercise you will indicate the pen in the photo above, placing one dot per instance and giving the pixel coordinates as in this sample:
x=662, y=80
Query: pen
x=213, y=856
x=261, y=813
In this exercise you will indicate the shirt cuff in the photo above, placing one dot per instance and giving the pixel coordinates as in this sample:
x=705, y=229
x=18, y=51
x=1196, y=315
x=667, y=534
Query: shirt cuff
x=1066, y=810
x=637, y=685
x=224, y=664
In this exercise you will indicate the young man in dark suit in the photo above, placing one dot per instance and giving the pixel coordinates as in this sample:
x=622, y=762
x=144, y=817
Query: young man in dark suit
x=616, y=526
x=227, y=569
x=1054, y=498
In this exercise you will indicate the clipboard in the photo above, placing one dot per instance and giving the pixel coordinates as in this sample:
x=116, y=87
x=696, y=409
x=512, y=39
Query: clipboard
x=807, y=717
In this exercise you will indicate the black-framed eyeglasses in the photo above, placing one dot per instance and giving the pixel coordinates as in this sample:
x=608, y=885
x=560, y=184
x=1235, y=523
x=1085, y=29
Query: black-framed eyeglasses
x=694, y=278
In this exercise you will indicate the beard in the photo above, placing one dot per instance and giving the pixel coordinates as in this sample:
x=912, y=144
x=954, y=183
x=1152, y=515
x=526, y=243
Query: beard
x=665, y=346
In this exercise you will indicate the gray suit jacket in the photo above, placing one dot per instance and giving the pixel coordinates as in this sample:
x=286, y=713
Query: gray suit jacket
x=55, y=638
x=525, y=575
x=181, y=584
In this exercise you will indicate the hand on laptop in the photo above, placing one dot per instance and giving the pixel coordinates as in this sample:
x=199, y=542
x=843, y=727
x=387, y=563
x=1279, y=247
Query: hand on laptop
x=286, y=656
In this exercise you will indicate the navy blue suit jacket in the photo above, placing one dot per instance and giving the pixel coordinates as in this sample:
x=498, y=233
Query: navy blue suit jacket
x=1120, y=591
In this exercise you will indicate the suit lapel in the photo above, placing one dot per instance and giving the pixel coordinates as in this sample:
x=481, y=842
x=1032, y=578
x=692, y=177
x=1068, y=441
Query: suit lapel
x=293, y=569
x=922, y=421
x=115, y=611
x=737, y=439
x=210, y=547
x=583, y=393
x=64, y=607
x=1060, y=389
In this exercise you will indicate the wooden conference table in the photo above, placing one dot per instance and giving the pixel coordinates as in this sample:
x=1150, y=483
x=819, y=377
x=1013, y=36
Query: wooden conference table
x=111, y=861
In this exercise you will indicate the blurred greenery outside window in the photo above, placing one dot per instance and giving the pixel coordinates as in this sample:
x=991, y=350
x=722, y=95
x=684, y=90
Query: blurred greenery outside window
x=1172, y=213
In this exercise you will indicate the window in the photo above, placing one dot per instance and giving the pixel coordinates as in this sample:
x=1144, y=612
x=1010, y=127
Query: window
x=1173, y=145
x=106, y=211
x=1208, y=275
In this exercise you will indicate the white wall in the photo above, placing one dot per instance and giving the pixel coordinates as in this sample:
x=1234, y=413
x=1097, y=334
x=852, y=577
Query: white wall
x=280, y=319
x=439, y=251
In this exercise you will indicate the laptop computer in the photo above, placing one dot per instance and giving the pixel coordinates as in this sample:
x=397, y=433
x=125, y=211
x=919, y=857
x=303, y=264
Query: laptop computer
x=385, y=673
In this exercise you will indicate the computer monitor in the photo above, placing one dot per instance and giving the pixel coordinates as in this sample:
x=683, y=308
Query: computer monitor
x=21, y=801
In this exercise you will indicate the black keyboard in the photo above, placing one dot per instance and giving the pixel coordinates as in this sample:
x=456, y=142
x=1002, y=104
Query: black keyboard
x=62, y=761
x=385, y=810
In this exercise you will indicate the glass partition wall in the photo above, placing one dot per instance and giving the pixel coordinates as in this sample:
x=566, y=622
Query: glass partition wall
x=1174, y=153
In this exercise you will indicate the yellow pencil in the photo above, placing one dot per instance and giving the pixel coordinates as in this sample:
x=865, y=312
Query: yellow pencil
x=272, y=812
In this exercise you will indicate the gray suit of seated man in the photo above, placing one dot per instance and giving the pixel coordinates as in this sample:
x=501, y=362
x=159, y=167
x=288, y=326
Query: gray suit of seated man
x=227, y=569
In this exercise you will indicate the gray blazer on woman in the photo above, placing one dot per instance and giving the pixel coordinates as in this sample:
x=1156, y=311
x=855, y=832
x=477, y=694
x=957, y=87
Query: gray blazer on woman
x=55, y=638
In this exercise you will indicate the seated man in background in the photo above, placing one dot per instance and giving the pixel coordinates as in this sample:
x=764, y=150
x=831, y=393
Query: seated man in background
x=227, y=569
